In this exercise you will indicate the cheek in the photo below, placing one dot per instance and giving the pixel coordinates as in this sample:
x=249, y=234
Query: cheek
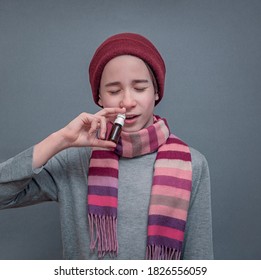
x=108, y=101
x=149, y=103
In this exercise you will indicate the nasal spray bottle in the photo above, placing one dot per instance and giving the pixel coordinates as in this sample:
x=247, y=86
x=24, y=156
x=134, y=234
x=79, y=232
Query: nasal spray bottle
x=116, y=128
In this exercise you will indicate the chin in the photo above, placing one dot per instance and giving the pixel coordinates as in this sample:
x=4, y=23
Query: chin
x=129, y=130
x=132, y=129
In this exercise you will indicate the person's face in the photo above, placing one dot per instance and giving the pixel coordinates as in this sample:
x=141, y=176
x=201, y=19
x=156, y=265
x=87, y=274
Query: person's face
x=127, y=83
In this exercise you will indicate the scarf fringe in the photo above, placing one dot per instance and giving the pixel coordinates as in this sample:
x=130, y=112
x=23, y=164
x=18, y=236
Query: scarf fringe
x=103, y=234
x=160, y=252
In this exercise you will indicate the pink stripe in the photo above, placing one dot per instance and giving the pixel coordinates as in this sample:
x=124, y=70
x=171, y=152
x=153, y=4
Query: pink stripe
x=180, y=164
x=146, y=147
x=166, y=231
x=102, y=200
x=168, y=211
x=171, y=191
x=153, y=140
x=166, y=131
x=163, y=129
x=175, y=147
x=103, y=181
x=179, y=173
x=127, y=145
x=175, y=139
x=104, y=163
x=162, y=133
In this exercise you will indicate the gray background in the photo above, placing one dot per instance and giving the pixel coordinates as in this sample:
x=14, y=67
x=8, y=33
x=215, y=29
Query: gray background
x=212, y=99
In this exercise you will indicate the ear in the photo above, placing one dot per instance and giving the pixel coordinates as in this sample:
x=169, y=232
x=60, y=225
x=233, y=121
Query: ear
x=156, y=96
x=100, y=101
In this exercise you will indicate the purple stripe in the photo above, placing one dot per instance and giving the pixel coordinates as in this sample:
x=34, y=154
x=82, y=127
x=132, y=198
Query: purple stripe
x=166, y=221
x=137, y=148
x=100, y=210
x=103, y=154
x=165, y=241
x=103, y=171
x=172, y=182
x=103, y=190
x=174, y=155
x=118, y=149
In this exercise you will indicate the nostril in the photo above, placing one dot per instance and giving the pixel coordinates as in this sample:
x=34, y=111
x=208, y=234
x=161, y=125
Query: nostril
x=128, y=102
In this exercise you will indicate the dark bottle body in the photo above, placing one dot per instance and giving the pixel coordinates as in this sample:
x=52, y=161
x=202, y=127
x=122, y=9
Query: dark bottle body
x=115, y=133
x=116, y=128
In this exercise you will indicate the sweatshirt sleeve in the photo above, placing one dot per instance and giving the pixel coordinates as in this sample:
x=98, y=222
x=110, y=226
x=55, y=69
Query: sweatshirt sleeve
x=20, y=185
x=198, y=243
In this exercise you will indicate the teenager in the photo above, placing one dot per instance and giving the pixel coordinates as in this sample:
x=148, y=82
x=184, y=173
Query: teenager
x=147, y=196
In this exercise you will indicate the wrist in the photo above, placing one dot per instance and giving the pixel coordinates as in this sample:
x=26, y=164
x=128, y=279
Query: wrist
x=63, y=139
x=59, y=140
x=47, y=148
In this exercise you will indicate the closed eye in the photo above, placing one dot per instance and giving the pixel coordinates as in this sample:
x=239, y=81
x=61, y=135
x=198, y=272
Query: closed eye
x=140, y=85
x=113, y=87
x=114, y=91
x=141, y=89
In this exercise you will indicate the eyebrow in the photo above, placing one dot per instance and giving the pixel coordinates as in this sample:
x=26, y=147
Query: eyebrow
x=136, y=81
x=140, y=81
x=112, y=84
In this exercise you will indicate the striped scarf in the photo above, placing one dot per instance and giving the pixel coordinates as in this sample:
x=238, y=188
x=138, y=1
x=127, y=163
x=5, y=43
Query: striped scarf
x=170, y=192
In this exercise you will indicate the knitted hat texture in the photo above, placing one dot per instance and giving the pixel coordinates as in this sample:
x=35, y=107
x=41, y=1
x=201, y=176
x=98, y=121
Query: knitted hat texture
x=126, y=44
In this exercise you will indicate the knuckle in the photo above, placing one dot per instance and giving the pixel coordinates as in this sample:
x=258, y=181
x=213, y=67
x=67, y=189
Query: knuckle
x=106, y=110
x=83, y=115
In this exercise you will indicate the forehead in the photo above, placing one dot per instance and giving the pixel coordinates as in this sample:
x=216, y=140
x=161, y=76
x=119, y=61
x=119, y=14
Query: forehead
x=124, y=61
x=123, y=66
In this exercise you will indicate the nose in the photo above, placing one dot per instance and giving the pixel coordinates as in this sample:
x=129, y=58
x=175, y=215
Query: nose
x=128, y=101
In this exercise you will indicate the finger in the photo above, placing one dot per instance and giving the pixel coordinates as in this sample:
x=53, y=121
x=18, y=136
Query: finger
x=104, y=144
x=103, y=127
x=95, y=125
x=109, y=112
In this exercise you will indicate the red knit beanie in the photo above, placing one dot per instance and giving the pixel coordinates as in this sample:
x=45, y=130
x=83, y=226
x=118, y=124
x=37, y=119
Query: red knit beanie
x=126, y=44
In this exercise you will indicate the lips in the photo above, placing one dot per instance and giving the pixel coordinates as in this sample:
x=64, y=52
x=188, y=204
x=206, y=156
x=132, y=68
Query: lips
x=130, y=119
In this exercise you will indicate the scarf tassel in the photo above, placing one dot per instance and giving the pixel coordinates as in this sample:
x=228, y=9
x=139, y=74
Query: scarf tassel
x=158, y=252
x=103, y=234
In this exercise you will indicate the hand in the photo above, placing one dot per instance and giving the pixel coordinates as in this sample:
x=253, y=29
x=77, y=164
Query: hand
x=90, y=129
x=80, y=132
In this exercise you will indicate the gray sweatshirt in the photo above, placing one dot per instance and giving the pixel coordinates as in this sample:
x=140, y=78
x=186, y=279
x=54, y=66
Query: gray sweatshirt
x=64, y=179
